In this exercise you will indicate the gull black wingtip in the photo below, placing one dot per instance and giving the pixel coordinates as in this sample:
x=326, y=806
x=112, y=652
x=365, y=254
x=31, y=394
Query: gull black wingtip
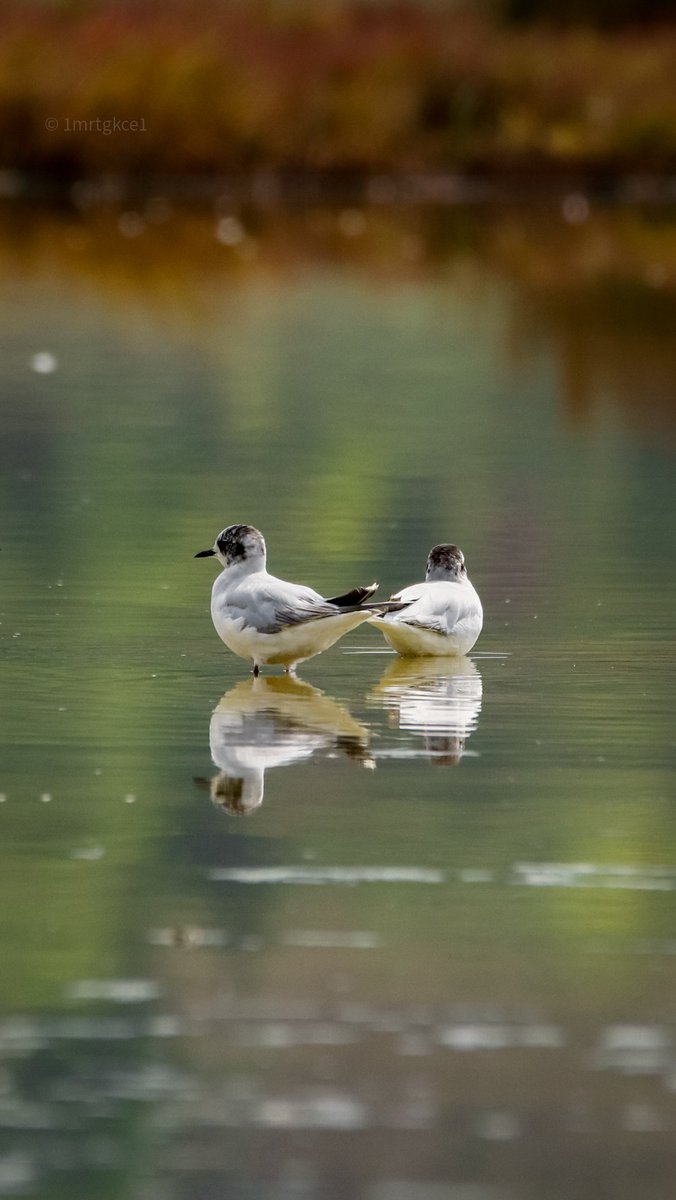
x=355, y=598
x=204, y=553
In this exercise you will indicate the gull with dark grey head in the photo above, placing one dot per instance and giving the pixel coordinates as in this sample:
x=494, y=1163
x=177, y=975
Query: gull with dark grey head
x=441, y=616
x=266, y=619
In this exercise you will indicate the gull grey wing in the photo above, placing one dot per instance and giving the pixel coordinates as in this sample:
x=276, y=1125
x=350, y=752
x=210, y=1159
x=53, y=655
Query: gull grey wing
x=286, y=615
x=436, y=610
x=281, y=604
x=272, y=606
x=431, y=624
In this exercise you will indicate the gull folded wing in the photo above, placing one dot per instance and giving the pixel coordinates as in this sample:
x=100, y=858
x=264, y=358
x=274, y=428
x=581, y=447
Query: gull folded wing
x=431, y=624
x=286, y=615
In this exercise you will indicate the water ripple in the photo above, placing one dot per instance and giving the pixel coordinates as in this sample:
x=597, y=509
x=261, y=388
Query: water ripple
x=321, y=875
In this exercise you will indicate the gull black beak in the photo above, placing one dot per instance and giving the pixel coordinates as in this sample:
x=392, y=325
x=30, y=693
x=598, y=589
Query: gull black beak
x=204, y=553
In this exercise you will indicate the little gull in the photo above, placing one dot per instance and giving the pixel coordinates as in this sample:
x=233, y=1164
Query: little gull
x=269, y=620
x=441, y=616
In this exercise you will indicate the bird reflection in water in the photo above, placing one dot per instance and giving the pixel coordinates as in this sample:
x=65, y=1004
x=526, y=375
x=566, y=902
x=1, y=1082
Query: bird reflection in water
x=439, y=698
x=272, y=721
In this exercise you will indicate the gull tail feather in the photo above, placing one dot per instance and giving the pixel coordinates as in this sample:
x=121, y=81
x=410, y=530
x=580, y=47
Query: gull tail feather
x=353, y=599
x=387, y=606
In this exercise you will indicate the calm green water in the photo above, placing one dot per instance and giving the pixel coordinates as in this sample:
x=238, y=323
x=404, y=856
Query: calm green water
x=435, y=959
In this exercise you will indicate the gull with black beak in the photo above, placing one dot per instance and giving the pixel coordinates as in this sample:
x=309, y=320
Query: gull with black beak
x=442, y=616
x=269, y=620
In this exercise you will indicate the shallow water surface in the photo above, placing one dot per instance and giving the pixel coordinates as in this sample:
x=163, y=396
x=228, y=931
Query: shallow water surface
x=394, y=929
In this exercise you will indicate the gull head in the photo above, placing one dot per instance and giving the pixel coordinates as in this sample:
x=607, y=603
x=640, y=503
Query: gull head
x=236, y=794
x=445, y=562
x=236, y=545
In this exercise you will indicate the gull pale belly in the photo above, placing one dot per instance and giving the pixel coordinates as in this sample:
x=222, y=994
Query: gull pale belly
x=282, y=647
x=441, y=616
x=269, y=620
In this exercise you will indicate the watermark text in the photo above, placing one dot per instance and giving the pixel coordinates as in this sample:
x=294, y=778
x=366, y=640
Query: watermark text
x=104, y=125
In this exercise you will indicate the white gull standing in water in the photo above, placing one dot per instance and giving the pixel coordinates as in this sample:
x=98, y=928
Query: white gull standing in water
x=267, y=619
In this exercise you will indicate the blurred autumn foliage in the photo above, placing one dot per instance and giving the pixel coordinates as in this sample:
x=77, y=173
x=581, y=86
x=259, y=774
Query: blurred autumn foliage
x=350, y=86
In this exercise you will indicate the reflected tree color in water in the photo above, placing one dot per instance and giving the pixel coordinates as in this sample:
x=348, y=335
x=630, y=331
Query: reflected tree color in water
x=438, y=984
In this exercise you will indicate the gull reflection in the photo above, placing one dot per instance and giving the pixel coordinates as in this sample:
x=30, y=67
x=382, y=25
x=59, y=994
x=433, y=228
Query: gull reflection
x=272, y=721
x=437, y=697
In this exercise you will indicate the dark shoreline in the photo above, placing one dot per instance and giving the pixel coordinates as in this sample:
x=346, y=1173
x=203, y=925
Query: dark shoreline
x=268, y=189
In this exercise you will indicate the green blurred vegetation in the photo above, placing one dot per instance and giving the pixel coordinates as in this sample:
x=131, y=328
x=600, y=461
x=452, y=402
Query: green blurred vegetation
x=332, y=88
